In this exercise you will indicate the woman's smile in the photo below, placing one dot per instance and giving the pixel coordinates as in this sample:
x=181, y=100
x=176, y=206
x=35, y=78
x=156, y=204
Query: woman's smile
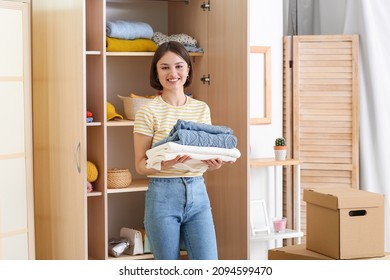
x=172, y=70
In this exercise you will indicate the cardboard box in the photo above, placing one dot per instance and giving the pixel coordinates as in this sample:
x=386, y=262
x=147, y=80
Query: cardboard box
x=345, y=223
x=299, y=252
x=295, y=252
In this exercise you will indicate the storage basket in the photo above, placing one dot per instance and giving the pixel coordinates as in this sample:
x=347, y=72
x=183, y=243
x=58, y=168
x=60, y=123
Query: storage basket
x=132, y=104
x=118, y=178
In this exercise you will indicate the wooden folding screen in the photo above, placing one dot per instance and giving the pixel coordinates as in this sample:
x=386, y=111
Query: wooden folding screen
x=321, y=110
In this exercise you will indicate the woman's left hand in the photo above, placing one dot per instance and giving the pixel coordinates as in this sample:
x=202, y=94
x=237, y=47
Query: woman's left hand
x=214, y=164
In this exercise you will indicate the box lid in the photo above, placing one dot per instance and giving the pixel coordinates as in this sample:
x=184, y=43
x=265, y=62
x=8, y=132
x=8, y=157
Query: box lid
x=339, y=198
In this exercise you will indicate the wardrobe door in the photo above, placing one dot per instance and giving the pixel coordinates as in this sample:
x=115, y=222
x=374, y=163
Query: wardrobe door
x=190, y=18
x=325, y=111
x=16, y=178
x=221, y=30
x=227, y=55
x=59, y=134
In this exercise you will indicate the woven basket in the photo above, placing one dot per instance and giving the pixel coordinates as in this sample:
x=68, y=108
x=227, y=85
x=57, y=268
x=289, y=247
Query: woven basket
x=131, y=105
x=118, y=178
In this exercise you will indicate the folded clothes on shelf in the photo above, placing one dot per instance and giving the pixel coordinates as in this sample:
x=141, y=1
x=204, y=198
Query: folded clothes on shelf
x=129, y=30
x=136, y=45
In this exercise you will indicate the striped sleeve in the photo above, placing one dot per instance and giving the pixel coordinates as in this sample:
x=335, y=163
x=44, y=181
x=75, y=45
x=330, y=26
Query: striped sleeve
x=144, y=121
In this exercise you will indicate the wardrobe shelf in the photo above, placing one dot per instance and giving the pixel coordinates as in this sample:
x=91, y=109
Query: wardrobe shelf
x=91, y=194
x=94, y=124
x=146, y=256
x=120, y=123
x=139, y=185
x=136, y=257
x=93, y=52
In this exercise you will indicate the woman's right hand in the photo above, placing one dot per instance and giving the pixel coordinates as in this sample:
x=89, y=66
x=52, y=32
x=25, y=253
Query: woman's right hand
x=178, y=159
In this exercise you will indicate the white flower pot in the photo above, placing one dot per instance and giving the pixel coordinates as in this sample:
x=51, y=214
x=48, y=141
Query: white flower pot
x=280, y=152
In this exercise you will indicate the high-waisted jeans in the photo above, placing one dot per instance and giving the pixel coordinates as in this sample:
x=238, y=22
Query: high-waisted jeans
x=179, y=209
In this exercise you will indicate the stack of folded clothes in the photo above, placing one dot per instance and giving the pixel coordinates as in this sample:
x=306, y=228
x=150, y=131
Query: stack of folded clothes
x=190, y=43
x=198, y=140
x=129, y=36
x=89, y=117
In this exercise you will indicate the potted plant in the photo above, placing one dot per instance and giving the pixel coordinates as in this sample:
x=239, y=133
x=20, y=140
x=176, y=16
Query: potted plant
x=280, y=148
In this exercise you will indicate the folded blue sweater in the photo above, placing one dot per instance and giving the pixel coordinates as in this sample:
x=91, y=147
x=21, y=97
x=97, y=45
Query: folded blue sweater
x=200, y=134
x=128, y=30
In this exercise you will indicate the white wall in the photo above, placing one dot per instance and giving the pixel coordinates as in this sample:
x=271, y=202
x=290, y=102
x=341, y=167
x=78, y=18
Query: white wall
x=266, y=29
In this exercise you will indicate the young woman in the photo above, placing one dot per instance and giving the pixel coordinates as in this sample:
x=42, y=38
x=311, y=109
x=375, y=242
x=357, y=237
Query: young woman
x=177, y=204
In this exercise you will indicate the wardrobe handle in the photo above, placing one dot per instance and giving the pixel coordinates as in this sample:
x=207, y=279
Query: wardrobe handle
x=78, y=157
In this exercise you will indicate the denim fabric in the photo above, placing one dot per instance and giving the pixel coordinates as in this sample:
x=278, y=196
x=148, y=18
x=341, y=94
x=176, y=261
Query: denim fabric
x=188, y=125
x=200, y=139
x=179, y=209
x=200, y=134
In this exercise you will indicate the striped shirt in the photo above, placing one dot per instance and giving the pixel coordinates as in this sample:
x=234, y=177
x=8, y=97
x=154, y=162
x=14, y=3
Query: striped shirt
x=157, y=118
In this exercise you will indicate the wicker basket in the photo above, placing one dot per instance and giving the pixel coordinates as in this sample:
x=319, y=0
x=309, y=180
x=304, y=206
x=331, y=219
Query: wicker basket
x=118, y=178
x=131, y=105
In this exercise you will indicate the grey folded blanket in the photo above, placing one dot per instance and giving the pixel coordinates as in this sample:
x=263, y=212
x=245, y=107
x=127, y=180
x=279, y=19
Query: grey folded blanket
x=200, y=134
x=128, y=30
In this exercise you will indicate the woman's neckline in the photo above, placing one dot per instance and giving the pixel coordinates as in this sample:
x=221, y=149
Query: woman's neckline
x=179, y=105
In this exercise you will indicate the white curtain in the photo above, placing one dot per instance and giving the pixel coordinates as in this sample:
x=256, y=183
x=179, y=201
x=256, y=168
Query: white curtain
x=303, y=17
x=370, y=19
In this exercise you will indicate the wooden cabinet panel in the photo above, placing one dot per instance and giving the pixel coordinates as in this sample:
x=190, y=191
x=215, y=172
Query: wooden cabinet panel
x=59, y=135
x=227, y=56
x=193, y=20
x=225, y=42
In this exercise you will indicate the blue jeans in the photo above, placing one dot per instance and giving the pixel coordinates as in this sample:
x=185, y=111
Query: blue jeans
x=179, y=209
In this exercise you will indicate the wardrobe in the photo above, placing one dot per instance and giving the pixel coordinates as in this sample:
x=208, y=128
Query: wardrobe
x=73, y=73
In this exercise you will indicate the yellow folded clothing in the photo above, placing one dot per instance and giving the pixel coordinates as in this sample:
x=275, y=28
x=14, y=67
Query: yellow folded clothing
x=136, y=45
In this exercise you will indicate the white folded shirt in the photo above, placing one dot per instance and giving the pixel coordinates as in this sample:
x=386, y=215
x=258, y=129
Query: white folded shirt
x=170, y=150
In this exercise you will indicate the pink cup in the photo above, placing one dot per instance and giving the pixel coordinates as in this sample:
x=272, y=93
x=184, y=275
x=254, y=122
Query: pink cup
x=280, y=224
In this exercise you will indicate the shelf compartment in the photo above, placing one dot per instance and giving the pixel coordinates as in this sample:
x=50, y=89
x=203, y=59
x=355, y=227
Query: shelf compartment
x=277, y=197
x=94, y=124
x=120, y=123
x=136, y=257
x=147, y=256
x=139, y=185
x=91, y=194
x=93, y=52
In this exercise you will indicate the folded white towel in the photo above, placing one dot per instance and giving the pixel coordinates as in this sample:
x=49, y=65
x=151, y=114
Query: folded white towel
x=170, y=150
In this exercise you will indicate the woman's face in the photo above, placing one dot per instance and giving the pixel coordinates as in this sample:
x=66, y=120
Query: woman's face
x=172, y=71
